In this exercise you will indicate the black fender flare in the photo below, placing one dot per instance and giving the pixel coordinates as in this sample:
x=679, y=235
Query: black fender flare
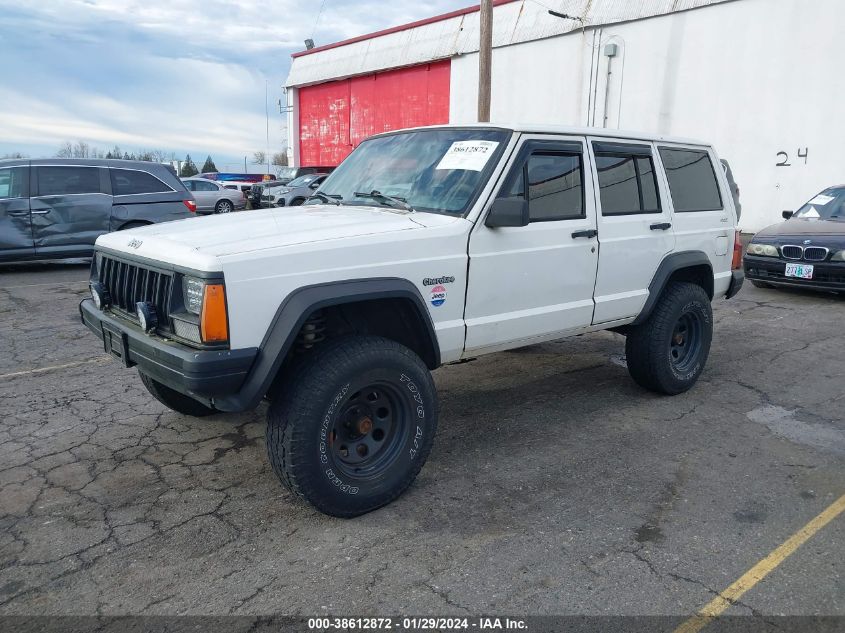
x=292, y=314
x=670, y=265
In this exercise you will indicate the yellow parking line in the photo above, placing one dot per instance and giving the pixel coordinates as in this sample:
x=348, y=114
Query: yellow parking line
x=762, y=569
x=42, y=370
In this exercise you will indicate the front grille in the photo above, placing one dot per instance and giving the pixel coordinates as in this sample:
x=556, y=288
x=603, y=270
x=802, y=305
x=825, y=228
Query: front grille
x=815, y=253
x=792, y=252
x=130, y=283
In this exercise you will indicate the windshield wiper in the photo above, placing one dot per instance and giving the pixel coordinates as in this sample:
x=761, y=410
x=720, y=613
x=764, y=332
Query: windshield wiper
x=392, y=201
x=327, y=197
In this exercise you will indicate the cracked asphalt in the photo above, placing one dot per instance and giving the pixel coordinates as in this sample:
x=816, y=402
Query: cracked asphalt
x=556, y=485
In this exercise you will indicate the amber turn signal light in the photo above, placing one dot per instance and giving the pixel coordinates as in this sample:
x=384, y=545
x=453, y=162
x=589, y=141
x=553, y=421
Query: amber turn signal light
x=214, y=326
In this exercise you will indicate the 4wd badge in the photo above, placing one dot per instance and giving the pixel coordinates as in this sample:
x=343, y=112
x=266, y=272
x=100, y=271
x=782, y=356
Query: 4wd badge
x=135, y=243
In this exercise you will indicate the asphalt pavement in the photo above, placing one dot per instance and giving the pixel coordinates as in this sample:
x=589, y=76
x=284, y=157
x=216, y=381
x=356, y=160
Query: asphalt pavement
x=556, y=485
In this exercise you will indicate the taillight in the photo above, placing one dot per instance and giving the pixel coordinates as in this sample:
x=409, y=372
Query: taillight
x=737, y=260
x=192, y=206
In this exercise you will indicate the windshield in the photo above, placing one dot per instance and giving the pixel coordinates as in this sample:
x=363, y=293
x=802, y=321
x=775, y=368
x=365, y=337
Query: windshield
x=437, y=170
x=303, y=181
x=286, y=173
x=828, y=205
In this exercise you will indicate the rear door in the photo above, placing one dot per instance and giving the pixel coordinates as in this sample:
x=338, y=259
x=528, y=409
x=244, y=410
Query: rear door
x=634, y=224
x=535, y=282
x=15, y=223
x=205, y=193
x=701, y=202
x=71, y=209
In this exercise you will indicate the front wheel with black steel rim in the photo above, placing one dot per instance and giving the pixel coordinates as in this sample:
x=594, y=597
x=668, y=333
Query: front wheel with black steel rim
x=351, y=427
x=667, y=352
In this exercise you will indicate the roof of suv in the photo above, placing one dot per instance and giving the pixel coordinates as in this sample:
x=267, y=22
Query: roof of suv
x=543, y=128
x=87, y=162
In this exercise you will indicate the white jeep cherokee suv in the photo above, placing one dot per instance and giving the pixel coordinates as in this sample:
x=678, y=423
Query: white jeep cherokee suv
x=424, y=247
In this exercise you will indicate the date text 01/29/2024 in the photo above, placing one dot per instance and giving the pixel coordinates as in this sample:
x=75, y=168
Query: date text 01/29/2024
x=416, y=624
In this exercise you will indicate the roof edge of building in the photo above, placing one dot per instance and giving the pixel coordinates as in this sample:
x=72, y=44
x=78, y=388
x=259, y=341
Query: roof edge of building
x=396, y=29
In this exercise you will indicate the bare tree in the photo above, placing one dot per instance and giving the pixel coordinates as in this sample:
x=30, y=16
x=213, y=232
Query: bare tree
x=14, y=155
x=280, y=159
x=159, y=155
x=259, y=157
x=81, y=150
x=65, y=150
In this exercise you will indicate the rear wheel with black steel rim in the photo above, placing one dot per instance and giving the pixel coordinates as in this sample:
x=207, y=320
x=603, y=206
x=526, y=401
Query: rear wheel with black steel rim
x=668, y=352
x=351, y=427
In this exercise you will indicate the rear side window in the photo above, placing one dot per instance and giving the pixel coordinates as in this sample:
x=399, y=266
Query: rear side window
x=627, y=183
x=128, y=182
x=555, y=186
x=692, y=180
x=201, y=185
x=14, y=182
x=63, y=181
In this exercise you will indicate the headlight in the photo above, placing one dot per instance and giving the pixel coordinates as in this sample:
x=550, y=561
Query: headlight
x=208, y=301
x=838, y=257
x=100, y=294
x=763, y=250
x=193, y=291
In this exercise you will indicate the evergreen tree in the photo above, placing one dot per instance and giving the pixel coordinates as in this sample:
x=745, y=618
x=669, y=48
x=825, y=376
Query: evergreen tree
x=208, y=166
x=126, y=156
x=188, y=168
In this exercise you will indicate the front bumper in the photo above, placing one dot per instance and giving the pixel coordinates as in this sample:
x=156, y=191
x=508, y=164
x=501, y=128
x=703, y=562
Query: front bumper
x=201, y=374
x=771, y=270
x=737, y=279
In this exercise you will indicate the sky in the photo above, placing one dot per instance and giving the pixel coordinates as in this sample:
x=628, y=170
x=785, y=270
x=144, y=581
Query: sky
x=182, y=76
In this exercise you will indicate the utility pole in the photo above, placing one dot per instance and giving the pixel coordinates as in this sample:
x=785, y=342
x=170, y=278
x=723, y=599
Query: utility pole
x=485, y=60
x=267, y=116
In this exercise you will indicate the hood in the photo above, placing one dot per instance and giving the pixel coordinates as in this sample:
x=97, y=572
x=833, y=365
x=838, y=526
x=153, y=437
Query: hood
x=804, y=229
x=198, y=242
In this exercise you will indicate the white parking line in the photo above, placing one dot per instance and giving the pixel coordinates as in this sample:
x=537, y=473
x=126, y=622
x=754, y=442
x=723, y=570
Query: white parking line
x=42, y=370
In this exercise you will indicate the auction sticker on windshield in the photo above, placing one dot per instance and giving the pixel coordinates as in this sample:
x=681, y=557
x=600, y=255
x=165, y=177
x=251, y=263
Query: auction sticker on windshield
x=470, y=155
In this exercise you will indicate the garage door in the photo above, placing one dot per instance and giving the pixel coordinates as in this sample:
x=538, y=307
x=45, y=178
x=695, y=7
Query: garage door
x=335, y=117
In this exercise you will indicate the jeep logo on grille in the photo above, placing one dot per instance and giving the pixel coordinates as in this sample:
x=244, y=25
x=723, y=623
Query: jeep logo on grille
x=135, y=243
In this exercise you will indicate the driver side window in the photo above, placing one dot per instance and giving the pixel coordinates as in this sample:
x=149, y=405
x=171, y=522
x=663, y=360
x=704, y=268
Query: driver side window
x=553, y=184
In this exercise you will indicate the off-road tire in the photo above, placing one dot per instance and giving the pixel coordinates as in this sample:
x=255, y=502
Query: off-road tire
x=174, y=400
x=221, y=204
x=651, y=347
x=313, y=412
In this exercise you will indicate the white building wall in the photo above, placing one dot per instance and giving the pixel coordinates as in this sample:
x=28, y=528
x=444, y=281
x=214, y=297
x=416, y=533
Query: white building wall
x=754, y=77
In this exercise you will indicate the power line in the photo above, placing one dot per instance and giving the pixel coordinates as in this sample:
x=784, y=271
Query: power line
x=317, y=20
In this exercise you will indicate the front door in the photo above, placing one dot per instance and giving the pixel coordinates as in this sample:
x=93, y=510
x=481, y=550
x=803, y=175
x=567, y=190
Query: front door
x=71, y=209
x=634, y=224
x=535, y=282
x=15, y=223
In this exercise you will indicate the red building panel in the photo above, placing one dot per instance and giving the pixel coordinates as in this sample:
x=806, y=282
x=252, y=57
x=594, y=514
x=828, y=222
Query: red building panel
x=335, y=117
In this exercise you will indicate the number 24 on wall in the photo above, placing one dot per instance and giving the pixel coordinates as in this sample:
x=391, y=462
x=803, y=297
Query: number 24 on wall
x=785, y=161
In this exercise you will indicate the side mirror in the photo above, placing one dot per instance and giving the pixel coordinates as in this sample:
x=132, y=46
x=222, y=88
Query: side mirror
x=508, y=212
x=314, y=185
x=787, y=214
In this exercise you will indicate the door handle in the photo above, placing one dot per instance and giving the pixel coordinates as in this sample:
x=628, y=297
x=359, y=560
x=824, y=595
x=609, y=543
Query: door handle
x=39, y=211
x=588, y=233
x=17, y=213
x=661, y=226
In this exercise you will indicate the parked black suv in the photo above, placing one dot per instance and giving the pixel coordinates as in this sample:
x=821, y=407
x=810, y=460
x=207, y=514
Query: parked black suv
x=56, y=208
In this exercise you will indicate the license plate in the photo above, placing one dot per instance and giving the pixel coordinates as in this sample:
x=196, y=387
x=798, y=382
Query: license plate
x=799, y=270
x=116, y=344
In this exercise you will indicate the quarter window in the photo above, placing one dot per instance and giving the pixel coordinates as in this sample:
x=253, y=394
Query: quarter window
x=555, y=186
x=14, y=182
x=63, y=181
x=627, y=183
x=127, y=182
x=692, y=180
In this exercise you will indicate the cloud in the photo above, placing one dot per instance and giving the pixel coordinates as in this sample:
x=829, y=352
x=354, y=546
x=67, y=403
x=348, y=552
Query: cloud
x=176, y=75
